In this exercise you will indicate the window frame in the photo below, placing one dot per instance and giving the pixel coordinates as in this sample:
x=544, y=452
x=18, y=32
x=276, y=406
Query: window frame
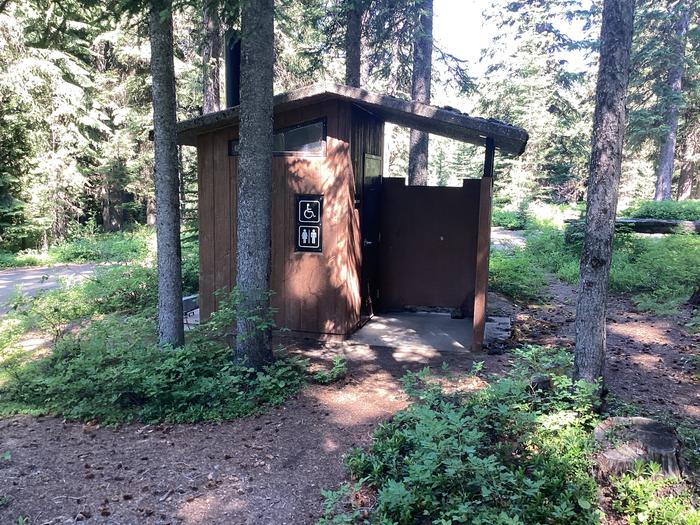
x=291, y=153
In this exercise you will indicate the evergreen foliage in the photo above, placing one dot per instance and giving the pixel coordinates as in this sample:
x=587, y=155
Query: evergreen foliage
x=506, y=454
x=15, y=149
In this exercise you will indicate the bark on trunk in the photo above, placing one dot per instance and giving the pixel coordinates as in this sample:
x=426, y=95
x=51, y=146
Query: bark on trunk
x=420, y=91
x=353, y=43
x=166, y=177
x=689, y=181
x=603, y=186
x=664, y=168
x=255, y=177
x=150, y=213
x=211, y=59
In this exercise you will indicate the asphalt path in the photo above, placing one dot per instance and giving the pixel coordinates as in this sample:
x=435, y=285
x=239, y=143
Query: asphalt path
x=32, y=280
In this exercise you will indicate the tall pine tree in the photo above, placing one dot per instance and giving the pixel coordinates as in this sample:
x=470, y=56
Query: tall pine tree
x=603, y=186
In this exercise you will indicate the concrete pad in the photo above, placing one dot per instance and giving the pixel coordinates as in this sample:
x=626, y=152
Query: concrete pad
x=423, y=331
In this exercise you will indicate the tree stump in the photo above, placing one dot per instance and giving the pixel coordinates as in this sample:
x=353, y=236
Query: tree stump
x=626, y=440
x=695, y=299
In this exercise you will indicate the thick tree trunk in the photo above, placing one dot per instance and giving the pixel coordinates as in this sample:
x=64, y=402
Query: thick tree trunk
x=603, y=186
x=664, y=167
x=420, y=91
x=689, y=181
x=211, y=58
x=353, y=43
x=255, y=177
x=166, y=177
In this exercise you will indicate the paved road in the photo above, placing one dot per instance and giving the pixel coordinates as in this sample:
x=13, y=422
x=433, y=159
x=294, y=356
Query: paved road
x=506, y=239
x=34, y=279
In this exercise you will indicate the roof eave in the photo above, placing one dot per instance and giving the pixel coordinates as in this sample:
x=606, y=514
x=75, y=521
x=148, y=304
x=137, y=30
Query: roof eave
x=439, y=121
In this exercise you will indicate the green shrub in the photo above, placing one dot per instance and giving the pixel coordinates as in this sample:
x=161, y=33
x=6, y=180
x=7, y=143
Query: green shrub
x=23, y=258
x=643, y=497
x=106, y=247
x=507, y=454
x=114, y=371
x=338, y=371
x=190, y=268
x=658, y=273
x=126, y=289
x=546, y=247
x=514, y=273
x=87, y=247
x=688, y=210
x=509, y=219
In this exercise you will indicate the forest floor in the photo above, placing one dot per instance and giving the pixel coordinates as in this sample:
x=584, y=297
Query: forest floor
x=271, y=469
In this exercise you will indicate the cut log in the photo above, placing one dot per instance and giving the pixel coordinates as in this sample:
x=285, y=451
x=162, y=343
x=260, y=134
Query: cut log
x=575, y=228
x=695, y=298
x=626, y=440
x=659, y=225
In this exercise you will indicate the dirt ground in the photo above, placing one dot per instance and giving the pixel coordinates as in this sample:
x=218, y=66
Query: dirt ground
x=651, y=361
x=271, y=469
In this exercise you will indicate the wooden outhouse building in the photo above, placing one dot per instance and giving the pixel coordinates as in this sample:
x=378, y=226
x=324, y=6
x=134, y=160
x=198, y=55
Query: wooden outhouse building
x=346, y=241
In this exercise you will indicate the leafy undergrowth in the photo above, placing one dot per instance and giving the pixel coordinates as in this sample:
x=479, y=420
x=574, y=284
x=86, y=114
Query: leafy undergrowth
x=113, y=371
x=516, y=274
x=88, y=247
x=509, y=219
x=337, y=371
x=126, y=289
x=645, y=497
x=688, y=210
x=658, y=273
x=508, y=454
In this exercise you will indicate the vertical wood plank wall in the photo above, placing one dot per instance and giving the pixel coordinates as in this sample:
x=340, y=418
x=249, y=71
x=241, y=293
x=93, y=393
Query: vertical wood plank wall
x=316, y=293
x=482, y=262
x=217, y=212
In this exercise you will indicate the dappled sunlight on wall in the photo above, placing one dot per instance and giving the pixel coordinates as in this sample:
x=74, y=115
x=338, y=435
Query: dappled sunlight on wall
x=317, y=292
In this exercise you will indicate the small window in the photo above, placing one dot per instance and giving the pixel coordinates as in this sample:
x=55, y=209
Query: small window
x=306, y=139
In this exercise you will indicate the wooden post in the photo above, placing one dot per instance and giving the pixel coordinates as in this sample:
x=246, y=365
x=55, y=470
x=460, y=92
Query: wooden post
x=483, y=244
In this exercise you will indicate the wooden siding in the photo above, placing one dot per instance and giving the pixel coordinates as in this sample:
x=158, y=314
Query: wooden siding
x=218, y=194
x=313, y=292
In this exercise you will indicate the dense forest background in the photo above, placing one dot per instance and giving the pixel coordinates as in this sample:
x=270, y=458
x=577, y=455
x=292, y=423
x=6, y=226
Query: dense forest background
x=75, y=100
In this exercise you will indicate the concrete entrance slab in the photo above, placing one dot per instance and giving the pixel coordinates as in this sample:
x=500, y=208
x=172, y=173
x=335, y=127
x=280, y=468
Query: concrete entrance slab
x=416, y=331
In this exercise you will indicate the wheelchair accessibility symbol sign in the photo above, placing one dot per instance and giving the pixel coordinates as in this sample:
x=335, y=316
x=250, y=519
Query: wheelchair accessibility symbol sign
x=309, y=211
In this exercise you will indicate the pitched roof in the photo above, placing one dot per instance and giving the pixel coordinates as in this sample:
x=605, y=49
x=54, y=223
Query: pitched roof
x=447, y=122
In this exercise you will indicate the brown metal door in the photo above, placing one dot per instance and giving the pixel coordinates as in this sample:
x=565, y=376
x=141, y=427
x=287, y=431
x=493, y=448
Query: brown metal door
x=371, y=234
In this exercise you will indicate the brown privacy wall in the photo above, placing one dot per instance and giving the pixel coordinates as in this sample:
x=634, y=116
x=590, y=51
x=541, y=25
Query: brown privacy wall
x=482, y=262
x=314, y=292
x=428, y=247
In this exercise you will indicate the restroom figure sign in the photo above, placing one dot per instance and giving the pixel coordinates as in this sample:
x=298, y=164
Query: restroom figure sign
x=309, y=228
